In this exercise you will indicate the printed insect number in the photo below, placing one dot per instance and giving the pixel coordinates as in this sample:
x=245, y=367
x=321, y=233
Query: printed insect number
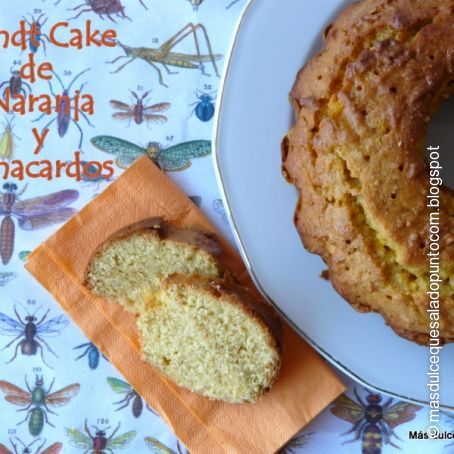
x=169, y=138
x=17, y=62
x=207, y=87
x=67, y=72
x=11, y=431
x=103, y=421
x=37, y=369
x=155, y=40
x=31, y=302
x=37, y=11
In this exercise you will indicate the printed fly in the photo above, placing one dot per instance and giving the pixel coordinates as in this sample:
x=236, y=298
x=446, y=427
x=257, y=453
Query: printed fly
x=165, y=56
x=138, y=111
x=373, y=422
x=121, y=387
x=29, y=333
x=174, y=158
x=26, y=449
x=37, y=401
x=33, y=214
x=99, y=443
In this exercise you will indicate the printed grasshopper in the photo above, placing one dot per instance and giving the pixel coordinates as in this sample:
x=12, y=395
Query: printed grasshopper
x=165, y=56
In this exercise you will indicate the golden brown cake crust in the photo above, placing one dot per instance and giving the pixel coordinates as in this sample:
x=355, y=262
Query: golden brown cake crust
x=356, y=155
x=194, y=236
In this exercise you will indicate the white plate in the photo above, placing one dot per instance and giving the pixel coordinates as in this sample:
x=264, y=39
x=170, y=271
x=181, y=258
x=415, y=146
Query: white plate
x=273, y=40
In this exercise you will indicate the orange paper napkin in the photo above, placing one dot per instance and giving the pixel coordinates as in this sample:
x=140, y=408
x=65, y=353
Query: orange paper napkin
x=305, y=386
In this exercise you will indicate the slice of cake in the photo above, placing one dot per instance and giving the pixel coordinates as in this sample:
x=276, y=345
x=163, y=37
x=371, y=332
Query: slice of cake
x=211, y=336
x=135, y=261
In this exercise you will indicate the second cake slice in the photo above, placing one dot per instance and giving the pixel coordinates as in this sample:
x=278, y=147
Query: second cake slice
x=211, y=336
x=135, y=261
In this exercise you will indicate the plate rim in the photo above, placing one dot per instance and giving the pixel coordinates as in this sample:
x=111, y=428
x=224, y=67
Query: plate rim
x=237, y=236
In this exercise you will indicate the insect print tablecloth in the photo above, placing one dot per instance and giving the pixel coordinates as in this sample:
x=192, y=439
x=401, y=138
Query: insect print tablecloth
x=59, y=394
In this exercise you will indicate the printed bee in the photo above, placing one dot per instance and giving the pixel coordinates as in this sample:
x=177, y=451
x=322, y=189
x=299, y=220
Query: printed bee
x=374, y=421
x=37, y=400
x=99, y=443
